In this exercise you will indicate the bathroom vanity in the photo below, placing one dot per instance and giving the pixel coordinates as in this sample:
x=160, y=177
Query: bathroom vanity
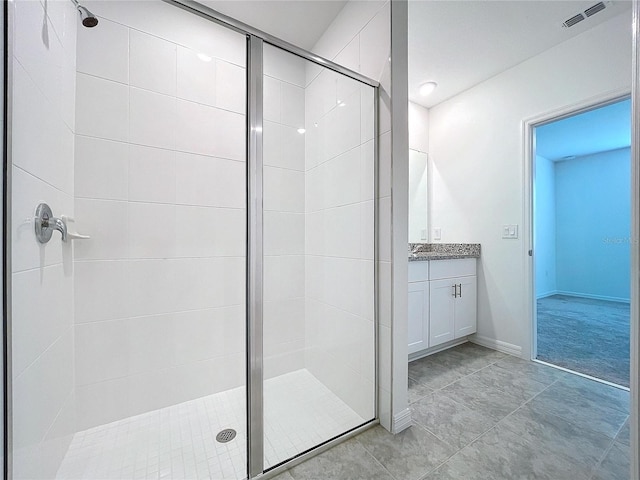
x=442, y=294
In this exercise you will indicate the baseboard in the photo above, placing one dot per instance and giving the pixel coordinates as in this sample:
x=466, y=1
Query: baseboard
x=437, y=348
x=498, y=345
x=401, y=421
x=594, y=297
x=546, y=294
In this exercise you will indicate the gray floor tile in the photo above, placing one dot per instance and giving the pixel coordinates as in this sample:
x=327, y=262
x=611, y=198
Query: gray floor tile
x=417, y=390
x=410, y=454
x=579, y=409
x=349, y=461
x=488, y=401
x=433, y=374
x=283, y=476
x=450, y=421
x=503, y=455
x=615, y=465
x=598, y=392
x=624, y=434
x=518, y=383
x=535, y=371
x=580, y=445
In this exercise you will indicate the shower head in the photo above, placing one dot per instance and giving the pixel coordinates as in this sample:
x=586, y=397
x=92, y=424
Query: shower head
x=89, y=20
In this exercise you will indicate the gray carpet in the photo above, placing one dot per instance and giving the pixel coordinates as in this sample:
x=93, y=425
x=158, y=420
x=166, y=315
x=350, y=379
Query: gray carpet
x=585, y=335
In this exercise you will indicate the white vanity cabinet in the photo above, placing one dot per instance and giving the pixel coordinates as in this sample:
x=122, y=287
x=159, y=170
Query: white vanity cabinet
x=442, y=301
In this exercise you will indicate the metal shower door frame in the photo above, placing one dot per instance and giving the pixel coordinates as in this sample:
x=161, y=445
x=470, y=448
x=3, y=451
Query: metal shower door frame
x=256, y=40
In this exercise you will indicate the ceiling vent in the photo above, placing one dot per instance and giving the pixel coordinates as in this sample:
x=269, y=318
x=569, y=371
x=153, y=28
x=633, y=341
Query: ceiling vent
x=592, y=10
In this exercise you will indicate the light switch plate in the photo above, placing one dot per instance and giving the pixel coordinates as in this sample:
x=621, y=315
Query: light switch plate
x=510, y=231
x=437, y=234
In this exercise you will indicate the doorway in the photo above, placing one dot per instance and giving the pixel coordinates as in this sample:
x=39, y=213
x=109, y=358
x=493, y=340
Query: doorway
x=581, y=234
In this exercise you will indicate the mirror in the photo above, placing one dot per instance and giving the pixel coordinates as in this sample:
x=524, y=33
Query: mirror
x=417, y=197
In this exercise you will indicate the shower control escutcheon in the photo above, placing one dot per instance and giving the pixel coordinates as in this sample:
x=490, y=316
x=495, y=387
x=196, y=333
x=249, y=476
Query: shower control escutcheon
x=46, y=223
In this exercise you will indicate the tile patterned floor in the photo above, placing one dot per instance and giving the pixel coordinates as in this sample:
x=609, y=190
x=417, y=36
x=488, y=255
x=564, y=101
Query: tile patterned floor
x=178, y=442
x=482, y=415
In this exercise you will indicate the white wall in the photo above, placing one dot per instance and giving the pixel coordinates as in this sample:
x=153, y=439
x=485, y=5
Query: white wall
x=544, y=229
x=418, y=173
x=43, y=123
x=477, y=175
x=160, y=187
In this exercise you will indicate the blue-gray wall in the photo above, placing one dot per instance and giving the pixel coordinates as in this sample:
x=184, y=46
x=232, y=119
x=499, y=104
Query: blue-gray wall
x=593, y=201
x=545, y=228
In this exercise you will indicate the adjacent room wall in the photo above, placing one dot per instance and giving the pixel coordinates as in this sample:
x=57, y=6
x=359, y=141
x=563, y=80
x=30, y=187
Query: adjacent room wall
x=160, y=182
x=42, y=154
x=477, y=175
x=544, y=229
x=593, y=228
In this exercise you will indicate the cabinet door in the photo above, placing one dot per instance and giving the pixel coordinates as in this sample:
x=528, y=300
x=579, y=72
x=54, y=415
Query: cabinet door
x=465, y=311
x=418, y=316
x=441, y=310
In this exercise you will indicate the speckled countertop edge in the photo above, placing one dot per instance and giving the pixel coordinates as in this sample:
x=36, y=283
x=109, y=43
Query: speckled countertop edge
x=442, y=251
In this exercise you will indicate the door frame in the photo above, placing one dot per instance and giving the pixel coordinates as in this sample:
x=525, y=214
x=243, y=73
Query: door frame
x=530, y=342
x=530, y=335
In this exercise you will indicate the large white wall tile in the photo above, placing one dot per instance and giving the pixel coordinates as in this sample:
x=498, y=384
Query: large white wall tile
x=107, y=223
x=210, y=181
x=208, y=232
x=271, y=99
x=152, y=63
x=284, y=277
x=284, y=66
x=292, y=105
x=30, y=334
x=152, y=119
x=230, y=87
x=151, y=233
x=283, y=190
x=210, y=131
x=101, y=350
x=101, y=290
x=104, y=52
x=283, y=233
x=101, y=168
x=196, y=76
x=152, y=174
x=42, y=143
x=102, y=108
x=376, y=36
x=341, y=174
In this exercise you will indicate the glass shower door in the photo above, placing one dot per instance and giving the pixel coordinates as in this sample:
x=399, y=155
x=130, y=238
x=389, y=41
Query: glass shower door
x=319, y=329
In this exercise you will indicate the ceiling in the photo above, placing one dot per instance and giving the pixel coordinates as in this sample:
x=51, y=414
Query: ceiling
x=599, y=130
x=301, y=22
x=459, y=44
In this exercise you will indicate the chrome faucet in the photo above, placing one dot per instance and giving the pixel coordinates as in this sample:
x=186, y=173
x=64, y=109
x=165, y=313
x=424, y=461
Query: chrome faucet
x=46, y=223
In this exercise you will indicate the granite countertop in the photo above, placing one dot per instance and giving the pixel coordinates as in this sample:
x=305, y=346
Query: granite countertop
x=442, y=251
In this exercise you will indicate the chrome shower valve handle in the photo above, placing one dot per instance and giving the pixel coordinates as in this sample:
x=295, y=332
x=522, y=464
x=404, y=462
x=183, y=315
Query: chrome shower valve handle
x=46, y=223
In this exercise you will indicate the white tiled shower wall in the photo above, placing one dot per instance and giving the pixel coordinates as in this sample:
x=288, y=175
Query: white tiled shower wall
x=339, y=330
x=160, y=185
x=43, y=126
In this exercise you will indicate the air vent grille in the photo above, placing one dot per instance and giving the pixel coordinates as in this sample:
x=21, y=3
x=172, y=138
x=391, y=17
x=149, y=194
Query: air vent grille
x=595, y=9
x=592, y=10
x=573, y=20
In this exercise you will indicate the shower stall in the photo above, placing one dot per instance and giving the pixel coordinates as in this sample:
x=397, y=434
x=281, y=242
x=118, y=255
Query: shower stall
x=199, y=298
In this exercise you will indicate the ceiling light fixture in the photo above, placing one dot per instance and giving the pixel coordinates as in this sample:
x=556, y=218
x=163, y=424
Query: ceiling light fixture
x=301, y=131
x=427, y=88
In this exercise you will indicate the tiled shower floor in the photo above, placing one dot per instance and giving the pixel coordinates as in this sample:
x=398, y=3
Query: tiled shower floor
x=178, y=442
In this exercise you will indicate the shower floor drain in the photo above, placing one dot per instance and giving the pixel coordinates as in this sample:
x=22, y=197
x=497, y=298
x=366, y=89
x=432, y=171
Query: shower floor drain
x=226, y=435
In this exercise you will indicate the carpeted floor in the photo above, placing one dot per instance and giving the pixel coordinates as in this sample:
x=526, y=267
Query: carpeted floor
x=585, y=335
